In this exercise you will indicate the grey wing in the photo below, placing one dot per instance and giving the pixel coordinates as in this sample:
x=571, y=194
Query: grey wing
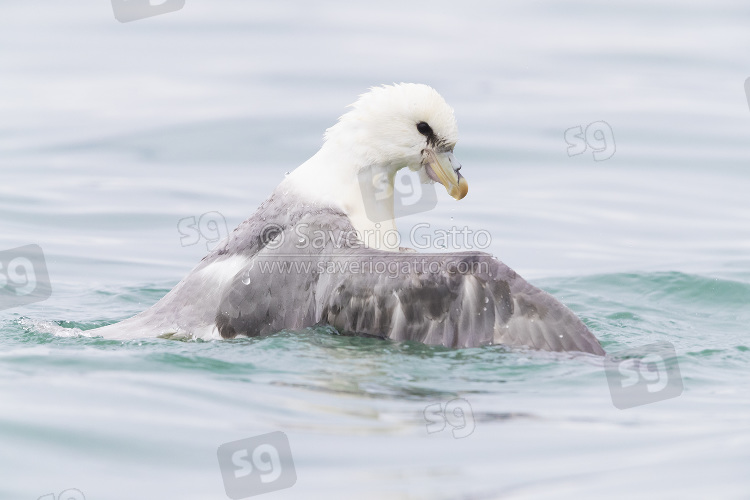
x=456, y=300
x=278, y=287
x=542, y=322
x=420, y=297
x=273, y=293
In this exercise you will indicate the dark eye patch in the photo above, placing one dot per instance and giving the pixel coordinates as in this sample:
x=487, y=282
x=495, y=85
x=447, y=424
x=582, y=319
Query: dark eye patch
x=425, y=129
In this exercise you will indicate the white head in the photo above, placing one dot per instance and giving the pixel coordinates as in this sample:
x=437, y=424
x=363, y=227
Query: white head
x=389, y=128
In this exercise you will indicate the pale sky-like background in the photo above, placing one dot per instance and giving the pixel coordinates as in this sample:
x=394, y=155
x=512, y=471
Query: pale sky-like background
x=111, y=133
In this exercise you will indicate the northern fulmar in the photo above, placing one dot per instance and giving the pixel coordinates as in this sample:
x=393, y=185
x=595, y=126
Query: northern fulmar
x=313, y=254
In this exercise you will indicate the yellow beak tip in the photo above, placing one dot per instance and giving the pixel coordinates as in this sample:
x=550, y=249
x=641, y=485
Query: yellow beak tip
x=460, y=190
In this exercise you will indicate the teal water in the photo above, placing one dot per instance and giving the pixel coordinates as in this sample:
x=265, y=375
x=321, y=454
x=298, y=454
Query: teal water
x=110, y=134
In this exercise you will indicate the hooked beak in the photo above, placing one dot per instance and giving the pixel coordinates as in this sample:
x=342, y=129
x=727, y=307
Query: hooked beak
x=444, y=168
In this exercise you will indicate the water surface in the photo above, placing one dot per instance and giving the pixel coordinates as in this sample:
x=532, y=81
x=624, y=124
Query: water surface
x=110, y=134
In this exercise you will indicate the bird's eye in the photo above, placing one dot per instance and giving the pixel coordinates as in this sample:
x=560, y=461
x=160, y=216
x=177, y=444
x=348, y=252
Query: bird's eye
x=424, y=129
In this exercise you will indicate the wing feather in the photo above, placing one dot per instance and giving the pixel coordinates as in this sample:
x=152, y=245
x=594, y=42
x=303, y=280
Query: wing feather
x=457, y=300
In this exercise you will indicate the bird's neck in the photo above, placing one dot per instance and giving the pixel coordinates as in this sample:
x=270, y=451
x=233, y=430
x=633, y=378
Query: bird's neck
x=365, y=196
